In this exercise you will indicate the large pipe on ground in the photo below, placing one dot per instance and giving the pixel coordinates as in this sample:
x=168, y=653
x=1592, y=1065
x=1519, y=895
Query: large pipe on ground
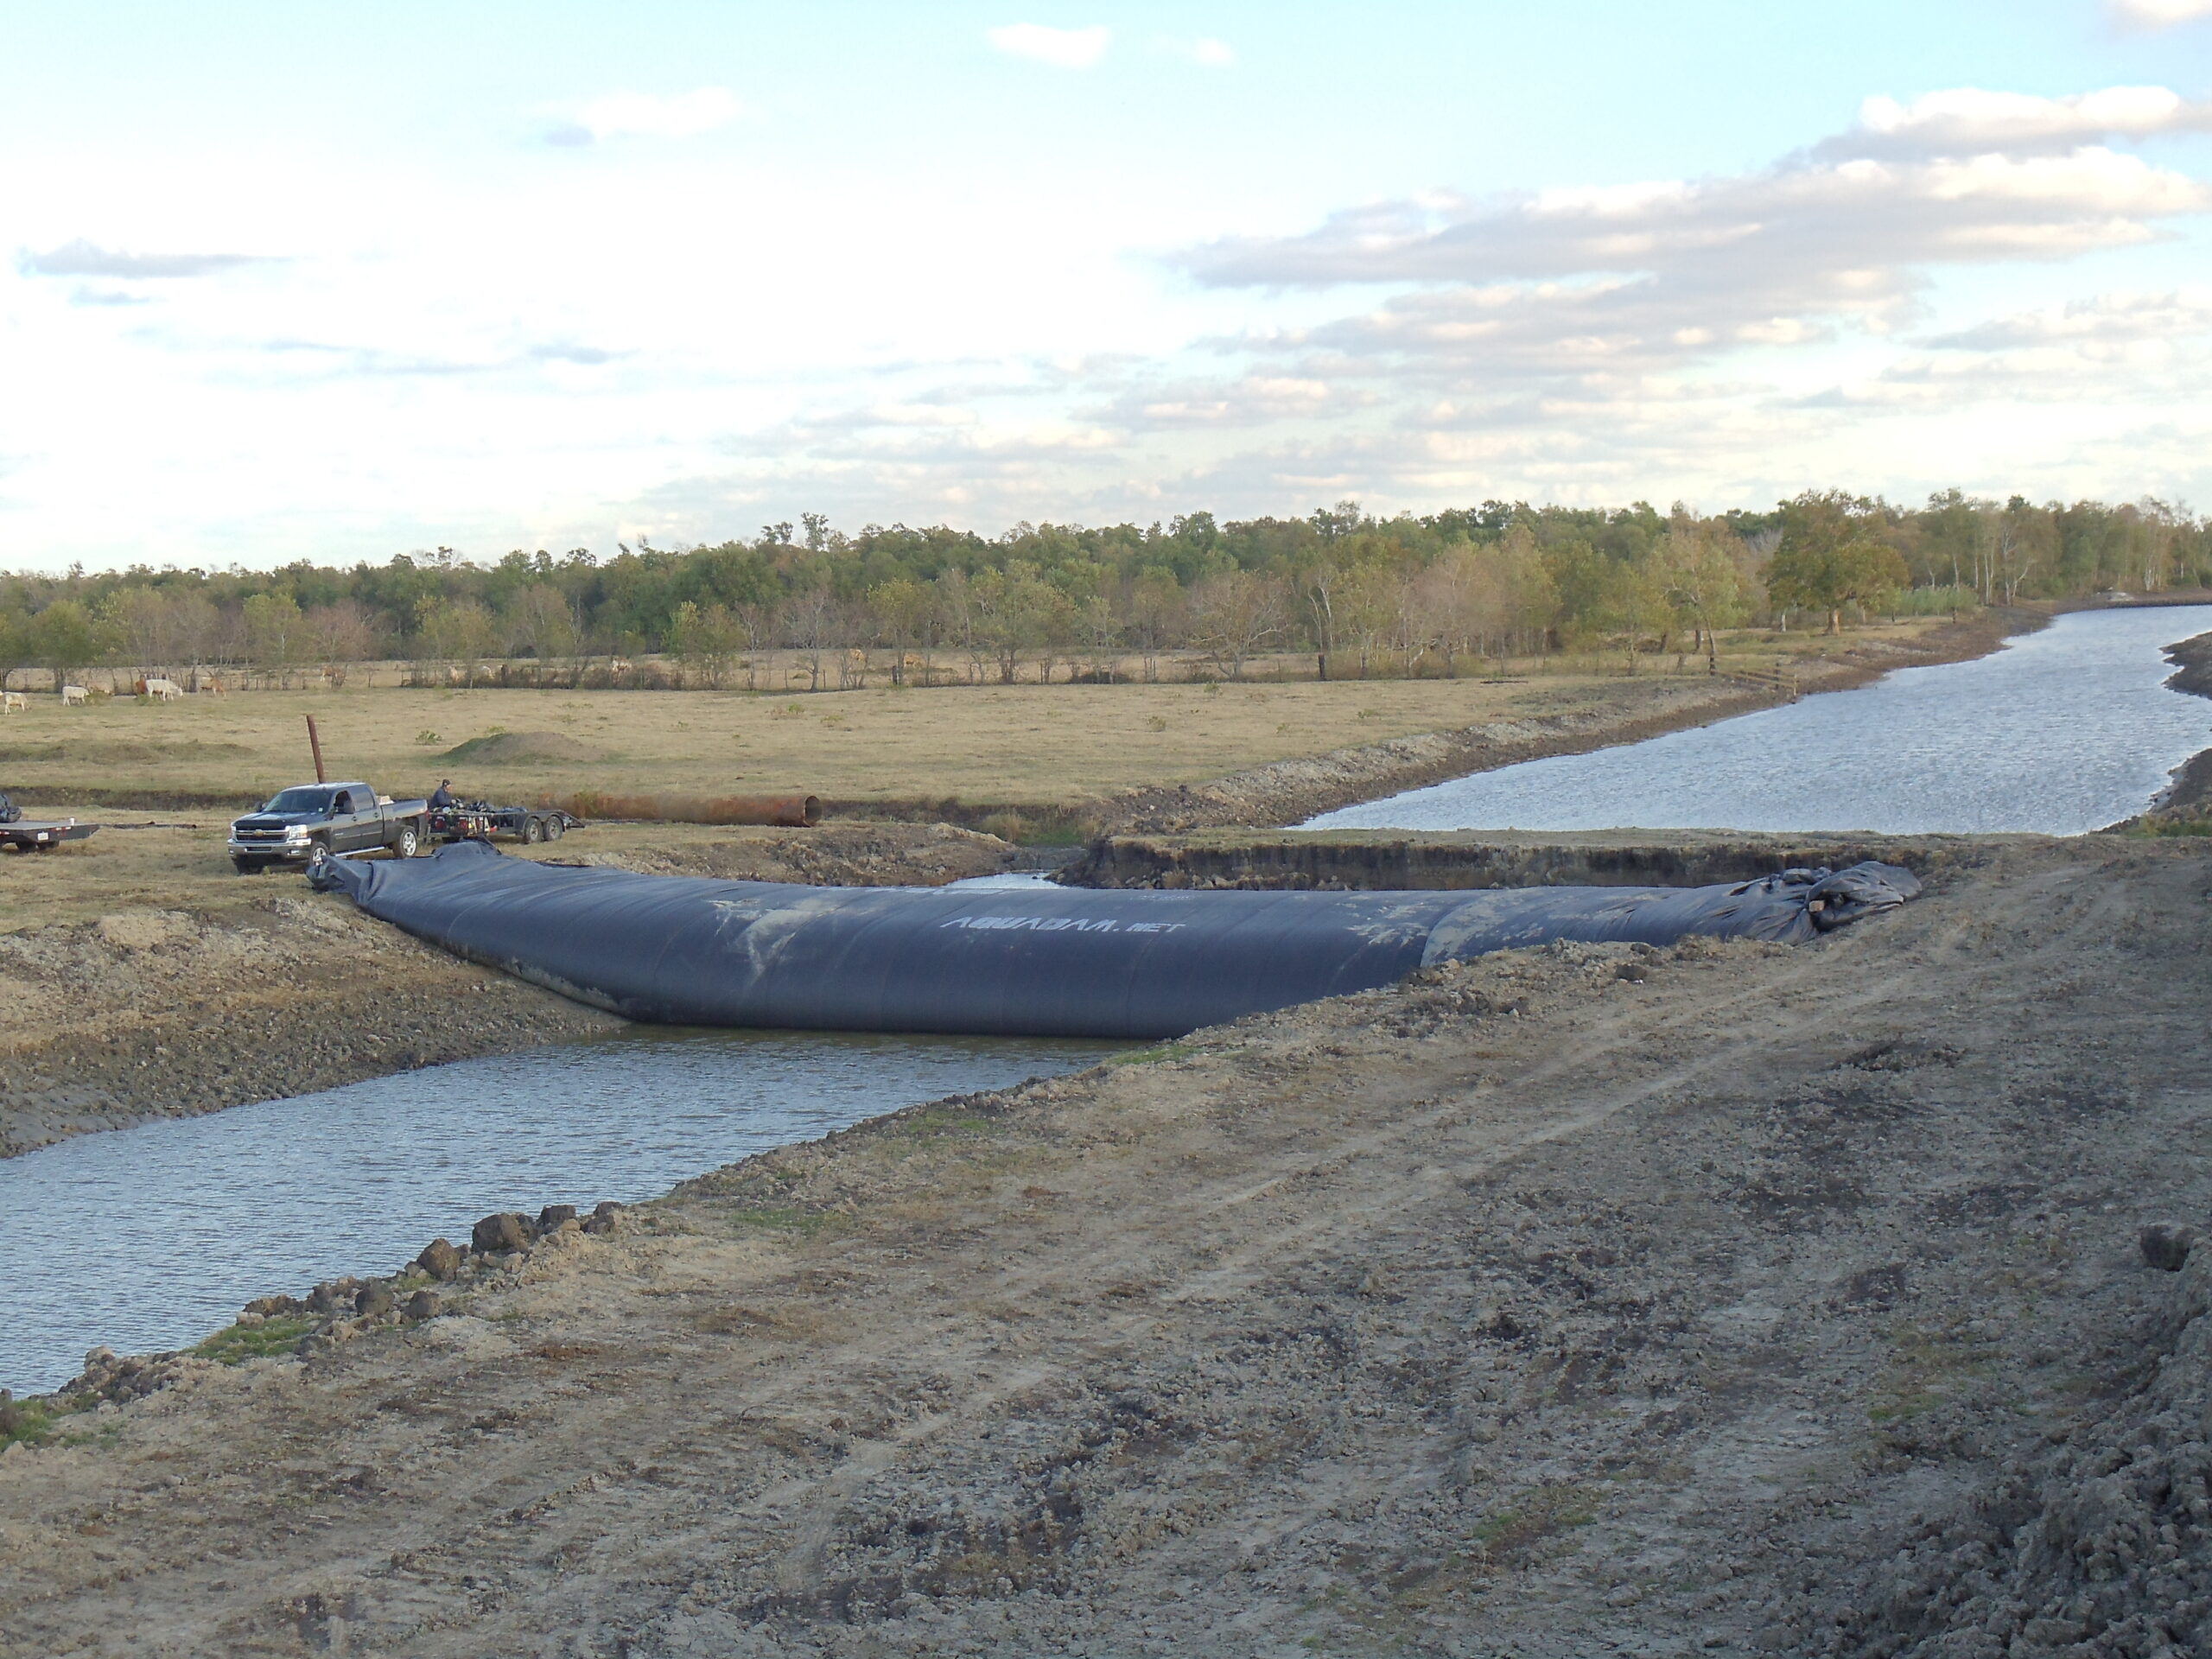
x=1040, y=961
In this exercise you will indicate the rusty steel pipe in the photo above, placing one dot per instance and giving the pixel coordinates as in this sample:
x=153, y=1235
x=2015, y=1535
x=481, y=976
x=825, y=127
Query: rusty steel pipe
x=787, y=812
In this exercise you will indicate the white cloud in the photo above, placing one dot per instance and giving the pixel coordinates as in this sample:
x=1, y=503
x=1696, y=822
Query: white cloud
x=441, y=362
x=1969, y=121
x=2160, y=14
x=2104, y=319
x=645, y=115
x=1063, y=49
x=1831, y=226
x=83, y=258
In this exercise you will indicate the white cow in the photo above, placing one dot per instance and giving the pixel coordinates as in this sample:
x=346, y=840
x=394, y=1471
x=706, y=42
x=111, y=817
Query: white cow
x=74, y=694
x=13, y=703
x=164, y=690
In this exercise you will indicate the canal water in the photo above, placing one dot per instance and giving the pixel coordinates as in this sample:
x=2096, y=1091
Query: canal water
x=148, y=1239
x=2060, y=732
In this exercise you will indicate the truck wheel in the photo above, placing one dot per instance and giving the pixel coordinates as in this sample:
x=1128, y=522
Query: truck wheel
x=553, y=826
x=533, y=830
x=405, y=847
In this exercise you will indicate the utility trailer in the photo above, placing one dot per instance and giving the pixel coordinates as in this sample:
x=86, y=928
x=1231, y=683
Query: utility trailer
x=481, y=821
x=36, y=834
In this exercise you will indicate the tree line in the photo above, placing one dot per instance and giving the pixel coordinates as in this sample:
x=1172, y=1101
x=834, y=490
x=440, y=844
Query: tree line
x=1361, y=594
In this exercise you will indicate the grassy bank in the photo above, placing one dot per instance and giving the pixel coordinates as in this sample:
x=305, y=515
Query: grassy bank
x=948, y=750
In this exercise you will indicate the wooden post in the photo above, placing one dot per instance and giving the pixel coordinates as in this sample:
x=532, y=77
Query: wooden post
x=315, y=743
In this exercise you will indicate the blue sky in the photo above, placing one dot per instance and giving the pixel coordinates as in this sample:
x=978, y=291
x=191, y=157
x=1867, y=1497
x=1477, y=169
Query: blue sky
x=281, y=284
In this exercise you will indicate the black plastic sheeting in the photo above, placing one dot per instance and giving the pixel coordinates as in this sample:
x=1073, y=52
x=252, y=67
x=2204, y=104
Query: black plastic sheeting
x=1035, y=960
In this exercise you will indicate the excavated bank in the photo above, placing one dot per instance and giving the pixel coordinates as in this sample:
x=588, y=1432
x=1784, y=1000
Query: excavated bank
x=1629, y=711
x=1453, y=859
x=1732, y=1299
x=157, y=983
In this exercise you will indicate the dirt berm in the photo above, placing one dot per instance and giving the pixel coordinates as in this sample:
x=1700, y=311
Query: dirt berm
x=161, y=984
x=1626, y=711
x=1730, y=1299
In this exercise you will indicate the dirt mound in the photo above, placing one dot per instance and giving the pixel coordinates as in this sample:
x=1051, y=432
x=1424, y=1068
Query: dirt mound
x=497, y=748
x=2093, y=1545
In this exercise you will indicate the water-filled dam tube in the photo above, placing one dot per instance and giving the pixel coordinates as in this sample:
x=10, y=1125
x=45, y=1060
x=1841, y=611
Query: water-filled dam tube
x=1039, y=961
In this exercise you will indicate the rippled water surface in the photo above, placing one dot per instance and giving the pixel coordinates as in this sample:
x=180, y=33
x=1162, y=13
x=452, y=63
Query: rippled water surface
x=2060, y=733
x=148, y=1239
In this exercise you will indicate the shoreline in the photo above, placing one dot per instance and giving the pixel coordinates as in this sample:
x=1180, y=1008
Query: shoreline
x=1286, y=792
x=223, y=990
x=1515, y=1276
x=192, y=1010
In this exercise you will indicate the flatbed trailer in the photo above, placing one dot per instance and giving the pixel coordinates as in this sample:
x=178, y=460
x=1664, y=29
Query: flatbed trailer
x=481, y=821
x=42, y=834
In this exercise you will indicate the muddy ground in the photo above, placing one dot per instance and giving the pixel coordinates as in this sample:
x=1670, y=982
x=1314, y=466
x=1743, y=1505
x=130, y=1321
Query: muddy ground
x=165, y=985
x=1730, y=1300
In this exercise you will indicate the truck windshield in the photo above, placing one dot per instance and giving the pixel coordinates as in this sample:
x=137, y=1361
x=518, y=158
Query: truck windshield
x=300, y=800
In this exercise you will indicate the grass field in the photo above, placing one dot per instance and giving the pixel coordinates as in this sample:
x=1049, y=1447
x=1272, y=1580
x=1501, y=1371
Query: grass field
x=1023, y=745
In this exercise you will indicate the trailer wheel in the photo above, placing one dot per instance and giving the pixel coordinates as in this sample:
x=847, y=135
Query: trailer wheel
x=533, y=830
x=553, y=826
x=405, y=846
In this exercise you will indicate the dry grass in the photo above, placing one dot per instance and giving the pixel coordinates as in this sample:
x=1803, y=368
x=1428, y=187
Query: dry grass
x=1057, y=746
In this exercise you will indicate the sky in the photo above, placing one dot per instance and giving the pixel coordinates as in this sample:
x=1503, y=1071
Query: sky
x=281, y=282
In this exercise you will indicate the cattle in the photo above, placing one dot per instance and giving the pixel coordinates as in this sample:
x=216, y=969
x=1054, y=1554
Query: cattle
x=74, y=694
x=160, y=690
x=13, y=703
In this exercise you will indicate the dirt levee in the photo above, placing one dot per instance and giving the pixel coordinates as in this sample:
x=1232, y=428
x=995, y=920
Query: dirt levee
x=1733, y=1299
x=144, y=978
x=1569, y=722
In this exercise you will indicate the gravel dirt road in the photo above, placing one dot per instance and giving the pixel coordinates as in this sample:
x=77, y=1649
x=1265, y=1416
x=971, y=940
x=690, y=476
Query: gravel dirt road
x=1728, y=1300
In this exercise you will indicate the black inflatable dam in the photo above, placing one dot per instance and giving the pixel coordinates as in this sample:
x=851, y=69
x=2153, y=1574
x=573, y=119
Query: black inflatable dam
x=1035, y=962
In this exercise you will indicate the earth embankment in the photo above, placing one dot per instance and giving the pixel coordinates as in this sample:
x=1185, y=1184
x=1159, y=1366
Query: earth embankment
x=1602, y=715
x=144, y=979
x=1449, y=859
x=1732, y=1299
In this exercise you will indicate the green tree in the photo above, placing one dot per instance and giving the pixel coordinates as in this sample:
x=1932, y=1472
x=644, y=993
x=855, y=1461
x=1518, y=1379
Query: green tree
x=705, y=640
x=1234, y=615
x=18, y=644
x=275, y=631
x=1831, y=555
x=539, y=620
x=457, y=633
x=64, y=638
x=1697, y=572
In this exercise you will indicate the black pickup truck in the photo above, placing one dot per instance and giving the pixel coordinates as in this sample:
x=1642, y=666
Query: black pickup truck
x=330, y=820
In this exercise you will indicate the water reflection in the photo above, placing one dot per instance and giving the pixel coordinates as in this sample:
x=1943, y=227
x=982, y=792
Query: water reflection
x=2061, y=732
